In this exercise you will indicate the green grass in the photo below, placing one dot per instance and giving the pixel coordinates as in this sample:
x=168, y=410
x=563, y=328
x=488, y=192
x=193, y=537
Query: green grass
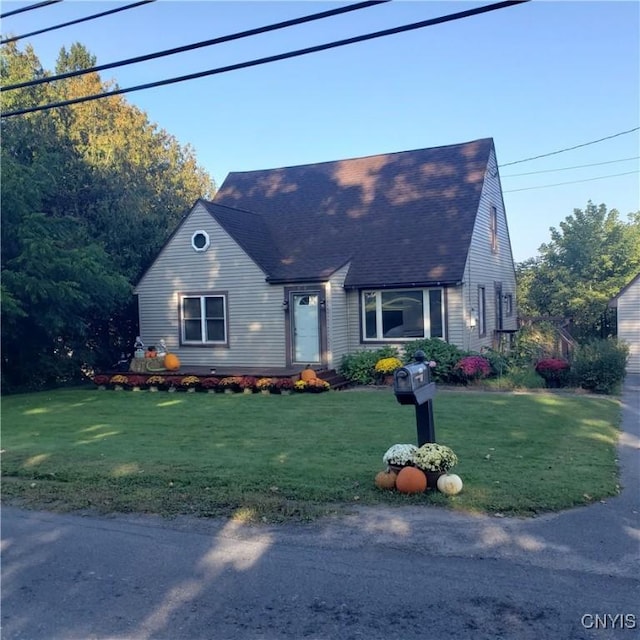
x=297, y=457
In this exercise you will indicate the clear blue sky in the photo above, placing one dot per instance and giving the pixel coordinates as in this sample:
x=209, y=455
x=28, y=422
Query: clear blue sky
x=538, y=77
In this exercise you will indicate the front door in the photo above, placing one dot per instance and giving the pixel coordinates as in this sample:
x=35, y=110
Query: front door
x=306, y=328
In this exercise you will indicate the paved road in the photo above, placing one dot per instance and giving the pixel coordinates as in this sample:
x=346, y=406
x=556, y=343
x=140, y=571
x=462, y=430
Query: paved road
x=380, y=573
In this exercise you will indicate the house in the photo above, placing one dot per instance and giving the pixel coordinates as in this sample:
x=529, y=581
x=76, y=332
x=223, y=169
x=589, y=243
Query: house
x=627, y=303
x=302, y=265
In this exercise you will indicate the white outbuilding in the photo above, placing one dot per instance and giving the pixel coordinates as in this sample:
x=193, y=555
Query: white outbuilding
x=627, y=302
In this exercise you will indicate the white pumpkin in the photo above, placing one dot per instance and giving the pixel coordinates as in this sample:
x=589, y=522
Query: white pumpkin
x=450, y=484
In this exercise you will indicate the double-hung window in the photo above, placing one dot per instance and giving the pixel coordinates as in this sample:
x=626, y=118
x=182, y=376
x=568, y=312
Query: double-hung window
x=402, y=314
x=203, y=319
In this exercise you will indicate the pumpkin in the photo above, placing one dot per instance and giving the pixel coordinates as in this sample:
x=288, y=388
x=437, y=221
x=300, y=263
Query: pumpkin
x=411, y=480
x=172, y=362
x=386, y=480
x=308, y=374
x=450, y=484
x=150, y=353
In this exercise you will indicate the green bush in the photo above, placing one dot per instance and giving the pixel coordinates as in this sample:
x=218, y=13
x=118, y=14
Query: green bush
x=445, y=355
x=499, y=361
x=535, y=342
x=359, y=366
x=599, y=365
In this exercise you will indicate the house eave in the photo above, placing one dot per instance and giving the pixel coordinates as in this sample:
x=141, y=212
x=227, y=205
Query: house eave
x=408, y=285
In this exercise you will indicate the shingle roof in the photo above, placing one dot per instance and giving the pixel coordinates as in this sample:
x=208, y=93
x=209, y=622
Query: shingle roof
x=399, y=218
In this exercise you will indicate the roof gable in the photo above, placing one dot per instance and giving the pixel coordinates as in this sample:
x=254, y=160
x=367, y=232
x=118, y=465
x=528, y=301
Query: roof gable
x=400, y=218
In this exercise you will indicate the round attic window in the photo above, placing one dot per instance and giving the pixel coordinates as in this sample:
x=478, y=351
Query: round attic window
x=200, y=241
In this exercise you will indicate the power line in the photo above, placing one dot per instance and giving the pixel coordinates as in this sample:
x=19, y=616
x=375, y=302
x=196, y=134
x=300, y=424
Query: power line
x=578, y=146
x=197, y=45
x=578, y=166
x=78, y=21
x=283, y=56
x=39, y=5
x=560, y=184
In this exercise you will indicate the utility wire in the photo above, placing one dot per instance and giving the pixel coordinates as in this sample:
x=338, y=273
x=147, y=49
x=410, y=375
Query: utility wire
x=578, y=166
x=578, y=146
x=197, y=45
x=283, y=56
x=78, y=21
x=40, y=5
x=559, y=184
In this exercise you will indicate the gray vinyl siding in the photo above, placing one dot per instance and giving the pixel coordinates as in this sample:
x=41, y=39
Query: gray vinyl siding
x=484, y=267
x=629, y=323
x=337, y=318
x=255, y=319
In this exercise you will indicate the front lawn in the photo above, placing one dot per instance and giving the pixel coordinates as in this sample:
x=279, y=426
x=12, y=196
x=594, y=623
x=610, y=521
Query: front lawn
x=300, y=456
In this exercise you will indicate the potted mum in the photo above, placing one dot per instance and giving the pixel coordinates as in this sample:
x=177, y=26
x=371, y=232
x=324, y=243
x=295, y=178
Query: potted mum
x=248, y=384
x=210, y=384
x=472, y=368
x=435, y=460
x=172, y=382
x=300, y=386
x=385, y=368
x=135, y=383
x=101, y=381
x=555, y=372
x=118, y=381
x=284, y=385
x=398, y=456
x=317, y=385
x=230, y=384
x=190, y=383
x=264, y=385
x=155, y=382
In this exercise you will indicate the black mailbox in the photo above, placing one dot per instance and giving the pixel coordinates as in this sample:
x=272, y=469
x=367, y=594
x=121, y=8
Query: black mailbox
x=412, y=384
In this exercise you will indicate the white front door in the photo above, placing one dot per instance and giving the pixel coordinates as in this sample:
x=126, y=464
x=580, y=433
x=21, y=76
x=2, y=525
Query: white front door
x=306, y=328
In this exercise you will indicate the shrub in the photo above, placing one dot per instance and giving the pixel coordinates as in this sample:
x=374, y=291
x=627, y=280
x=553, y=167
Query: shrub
x=359, y=366
x=535, y=342
x=555, y=371
x=599, y=365
x=472, y=368
x=499, y=362
x=445, y=356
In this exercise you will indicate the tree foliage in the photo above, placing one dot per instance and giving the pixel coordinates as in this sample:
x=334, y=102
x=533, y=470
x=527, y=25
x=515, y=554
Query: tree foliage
x=89, y=194
x=588, y=260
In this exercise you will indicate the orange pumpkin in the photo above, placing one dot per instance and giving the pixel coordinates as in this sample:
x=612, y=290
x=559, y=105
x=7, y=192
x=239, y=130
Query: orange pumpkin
x=386, y=480
x=150, y=353
x=411, y=480
x=172, y=362
x=308, y=374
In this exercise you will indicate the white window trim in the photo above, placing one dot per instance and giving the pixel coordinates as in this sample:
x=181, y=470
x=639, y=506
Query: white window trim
x=203, y=319
x=426, y=315
x=199, y=232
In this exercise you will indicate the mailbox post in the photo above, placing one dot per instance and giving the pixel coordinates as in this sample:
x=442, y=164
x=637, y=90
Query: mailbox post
x=412, y=385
